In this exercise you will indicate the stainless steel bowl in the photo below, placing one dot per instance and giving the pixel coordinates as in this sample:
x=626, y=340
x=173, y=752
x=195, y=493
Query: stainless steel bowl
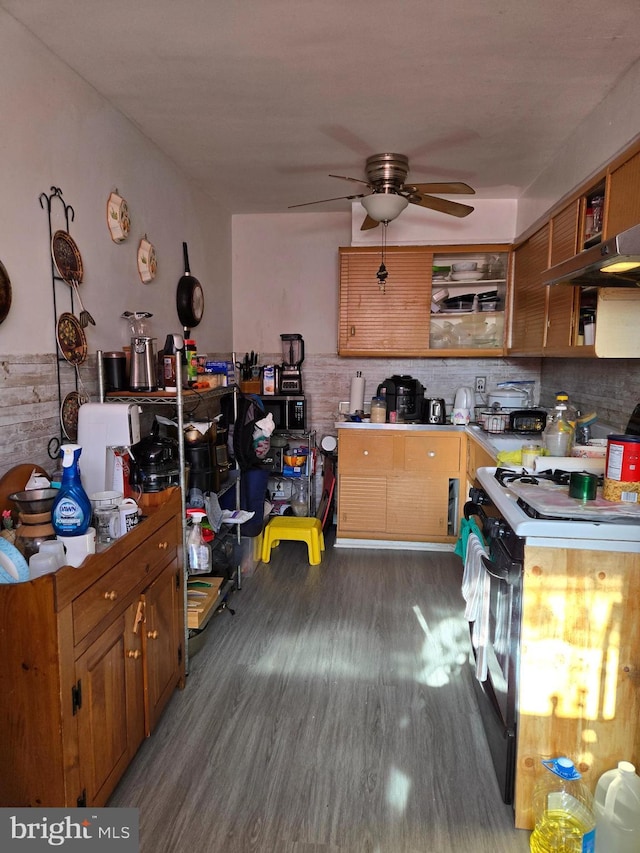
x=34, y=500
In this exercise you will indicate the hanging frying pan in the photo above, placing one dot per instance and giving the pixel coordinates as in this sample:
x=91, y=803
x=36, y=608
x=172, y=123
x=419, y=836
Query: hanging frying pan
x=5, y=293
x=189, y=297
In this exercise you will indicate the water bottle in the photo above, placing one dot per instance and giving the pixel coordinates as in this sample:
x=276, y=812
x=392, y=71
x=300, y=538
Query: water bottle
x=563, y=809
x=617, y=806
x=71, y=510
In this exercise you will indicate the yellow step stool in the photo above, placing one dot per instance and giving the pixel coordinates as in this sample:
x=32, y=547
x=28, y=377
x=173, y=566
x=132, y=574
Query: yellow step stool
x=307, y=530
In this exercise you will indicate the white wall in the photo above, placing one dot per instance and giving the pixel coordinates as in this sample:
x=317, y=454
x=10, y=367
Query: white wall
x=285, y=279
x=610, y=128
x=57, y=131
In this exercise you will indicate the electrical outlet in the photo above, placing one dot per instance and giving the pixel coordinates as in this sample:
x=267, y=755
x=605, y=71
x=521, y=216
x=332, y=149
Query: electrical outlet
x=481, y=384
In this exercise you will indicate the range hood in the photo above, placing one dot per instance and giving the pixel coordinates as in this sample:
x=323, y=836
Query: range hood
x=612, y=263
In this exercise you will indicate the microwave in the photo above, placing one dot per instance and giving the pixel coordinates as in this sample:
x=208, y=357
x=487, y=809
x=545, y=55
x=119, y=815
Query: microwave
x=289, y=412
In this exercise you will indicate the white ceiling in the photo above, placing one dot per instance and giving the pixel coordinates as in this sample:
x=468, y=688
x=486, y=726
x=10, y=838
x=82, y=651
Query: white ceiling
x=258, y=100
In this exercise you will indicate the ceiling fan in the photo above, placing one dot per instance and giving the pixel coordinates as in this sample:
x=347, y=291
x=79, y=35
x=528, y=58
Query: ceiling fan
x=386, y=176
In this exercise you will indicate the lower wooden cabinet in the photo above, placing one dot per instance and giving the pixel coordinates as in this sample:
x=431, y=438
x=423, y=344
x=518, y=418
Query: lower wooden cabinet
x=399, y=485
x=91, y=656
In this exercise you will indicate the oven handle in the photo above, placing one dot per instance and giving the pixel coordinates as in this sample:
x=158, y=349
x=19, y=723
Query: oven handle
x=491, y=569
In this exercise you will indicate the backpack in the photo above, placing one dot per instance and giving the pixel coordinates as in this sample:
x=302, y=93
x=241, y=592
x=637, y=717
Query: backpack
x=250, y=410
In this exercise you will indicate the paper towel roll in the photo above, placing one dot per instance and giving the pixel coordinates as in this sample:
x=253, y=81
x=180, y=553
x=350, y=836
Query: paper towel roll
x=356, y=399
x=568, y=463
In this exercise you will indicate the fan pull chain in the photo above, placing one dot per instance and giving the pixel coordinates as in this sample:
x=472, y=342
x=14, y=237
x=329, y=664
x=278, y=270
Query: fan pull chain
x=382, y=273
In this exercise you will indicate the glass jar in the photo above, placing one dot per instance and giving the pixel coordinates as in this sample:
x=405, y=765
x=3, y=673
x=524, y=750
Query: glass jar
x=299, y=494
x=378, y=410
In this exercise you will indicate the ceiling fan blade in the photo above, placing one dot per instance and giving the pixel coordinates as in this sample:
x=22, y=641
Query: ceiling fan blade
x=442, y=205
x=355, y=180
x=369, y=223
x=322, y=200
x=450, y=188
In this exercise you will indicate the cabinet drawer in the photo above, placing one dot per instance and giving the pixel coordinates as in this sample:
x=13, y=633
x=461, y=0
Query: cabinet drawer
x=365, y=452
x=108, y=594
x=432, y=452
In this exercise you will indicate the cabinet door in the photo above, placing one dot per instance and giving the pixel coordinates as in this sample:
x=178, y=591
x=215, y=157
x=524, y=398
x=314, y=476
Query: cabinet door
x=111, y=715
x=163, y=640
x=623, y=208
x=562, y=299
x=417, y=506
x=389, y=319
x=528, y=317
x=362, y=505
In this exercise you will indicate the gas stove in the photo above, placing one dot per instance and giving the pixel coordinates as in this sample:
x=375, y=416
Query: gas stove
x=564, y=528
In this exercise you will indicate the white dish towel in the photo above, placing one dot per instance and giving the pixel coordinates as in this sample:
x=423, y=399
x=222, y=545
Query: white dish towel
x=476, y=592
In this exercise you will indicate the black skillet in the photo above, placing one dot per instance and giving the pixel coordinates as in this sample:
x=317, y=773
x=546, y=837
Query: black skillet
x=189, y=297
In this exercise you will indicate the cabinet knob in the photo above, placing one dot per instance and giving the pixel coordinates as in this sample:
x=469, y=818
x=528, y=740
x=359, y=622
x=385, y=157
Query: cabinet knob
x=152, y=635
x=431, y=453
x=134, y=653
x=111, y=595
x=365, y=452
x=163, y=546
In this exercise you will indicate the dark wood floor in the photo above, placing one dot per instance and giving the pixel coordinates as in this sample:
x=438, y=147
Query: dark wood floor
x=333, y=713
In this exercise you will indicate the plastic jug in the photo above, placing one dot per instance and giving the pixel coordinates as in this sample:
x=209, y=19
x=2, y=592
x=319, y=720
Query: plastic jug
x=563, y=808
x=198, y=550
x=617, y=805
x=559, y=433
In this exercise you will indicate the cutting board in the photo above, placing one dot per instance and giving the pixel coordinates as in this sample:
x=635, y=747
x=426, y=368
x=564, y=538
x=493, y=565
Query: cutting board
x=553, y=500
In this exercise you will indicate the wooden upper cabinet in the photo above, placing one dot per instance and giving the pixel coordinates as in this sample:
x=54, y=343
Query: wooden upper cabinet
x=390, y=318
x=562, y=309
x=623, y=208
x=530, y=260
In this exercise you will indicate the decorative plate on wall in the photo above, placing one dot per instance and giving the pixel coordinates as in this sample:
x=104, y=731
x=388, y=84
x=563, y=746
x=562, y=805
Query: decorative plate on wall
x=69, y=413
x=118, y=218
x=5, y=293
x=71, y=339
x=147, y=262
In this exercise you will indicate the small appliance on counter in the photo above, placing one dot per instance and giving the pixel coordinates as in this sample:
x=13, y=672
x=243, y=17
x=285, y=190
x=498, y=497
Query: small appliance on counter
x=103, y=427
x=143, y=368
x=404, y=395
x=292, y=358
x=434, y=411
x=155, y=465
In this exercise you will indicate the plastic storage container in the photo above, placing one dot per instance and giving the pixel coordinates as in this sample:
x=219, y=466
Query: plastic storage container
x=378, y=410
x=563, y=810
x=71, y=510
x=617, y=807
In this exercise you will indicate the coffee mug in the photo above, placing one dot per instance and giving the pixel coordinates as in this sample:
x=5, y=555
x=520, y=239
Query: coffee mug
x=461, y=417
x=107, y=524
x=128, y=515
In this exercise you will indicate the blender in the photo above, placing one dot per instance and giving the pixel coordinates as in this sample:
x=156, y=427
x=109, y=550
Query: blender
x=292, y=358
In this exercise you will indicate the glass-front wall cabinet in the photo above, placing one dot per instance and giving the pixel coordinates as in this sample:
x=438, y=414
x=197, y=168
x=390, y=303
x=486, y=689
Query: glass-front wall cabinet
x=469, y=300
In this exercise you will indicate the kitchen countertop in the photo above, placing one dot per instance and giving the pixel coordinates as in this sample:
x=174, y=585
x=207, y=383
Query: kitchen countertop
x=493, y=444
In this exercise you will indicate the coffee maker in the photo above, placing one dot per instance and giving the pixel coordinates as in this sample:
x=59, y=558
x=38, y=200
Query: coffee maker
x=292, y=358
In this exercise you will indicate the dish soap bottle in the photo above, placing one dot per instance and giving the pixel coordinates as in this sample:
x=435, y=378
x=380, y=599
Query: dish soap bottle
x=198, y=550
x=563, y=811
x=558, y=433
x=71, y=510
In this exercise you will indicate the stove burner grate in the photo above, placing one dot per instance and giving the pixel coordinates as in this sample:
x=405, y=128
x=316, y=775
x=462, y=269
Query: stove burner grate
x=561, y=478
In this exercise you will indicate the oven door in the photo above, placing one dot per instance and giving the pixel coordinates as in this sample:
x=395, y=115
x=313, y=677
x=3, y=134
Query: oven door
x=497, y=694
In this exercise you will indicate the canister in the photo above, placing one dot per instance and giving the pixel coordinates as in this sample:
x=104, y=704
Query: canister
x=115, y=371
x=378, y=410
x=622, y=469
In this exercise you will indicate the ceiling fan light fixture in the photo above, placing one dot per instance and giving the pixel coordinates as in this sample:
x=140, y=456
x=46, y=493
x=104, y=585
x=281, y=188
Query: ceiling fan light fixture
x=383, y=207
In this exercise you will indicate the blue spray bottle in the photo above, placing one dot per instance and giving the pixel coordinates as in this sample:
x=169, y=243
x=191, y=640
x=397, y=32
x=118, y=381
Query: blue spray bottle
x=71, y=510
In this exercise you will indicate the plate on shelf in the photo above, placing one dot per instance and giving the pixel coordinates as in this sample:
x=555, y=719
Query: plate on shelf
x=71, y=339
x=466, y=275
x=147, y=261
x=69, y=413
x=67, y=257
x=118, y=218
x=13, y=566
